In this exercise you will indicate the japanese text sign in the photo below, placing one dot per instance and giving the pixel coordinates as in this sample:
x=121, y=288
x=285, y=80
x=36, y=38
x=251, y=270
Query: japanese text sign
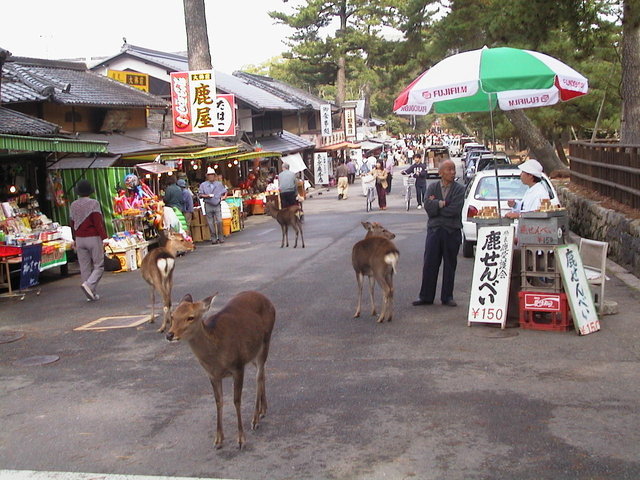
x=576, y=287
x=325, y=120
x=134, y=79
x=350, y=123
x=193, y=95
x=224, y=116
x=321, y=168
x=491, y=276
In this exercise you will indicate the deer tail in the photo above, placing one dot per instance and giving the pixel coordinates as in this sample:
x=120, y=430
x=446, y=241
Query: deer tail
x=165, y=266
x=392, y=259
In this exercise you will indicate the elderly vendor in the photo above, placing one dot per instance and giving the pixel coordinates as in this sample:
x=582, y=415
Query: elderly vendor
x=530, y=175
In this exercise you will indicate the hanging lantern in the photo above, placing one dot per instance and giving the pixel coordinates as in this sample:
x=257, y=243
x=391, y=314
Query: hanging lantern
x=235, y=162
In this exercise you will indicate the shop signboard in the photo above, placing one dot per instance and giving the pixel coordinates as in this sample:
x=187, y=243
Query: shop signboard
x=321, y=168
x=193, y=96
x=491, y=275
x=350, y=123
x=576, y=287
x=325, y=120
x=133, y=79
x=224, y=116
x=30, y=268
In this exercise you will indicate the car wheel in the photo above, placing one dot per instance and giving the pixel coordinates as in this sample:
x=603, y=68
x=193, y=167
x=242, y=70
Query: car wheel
x=467, y=248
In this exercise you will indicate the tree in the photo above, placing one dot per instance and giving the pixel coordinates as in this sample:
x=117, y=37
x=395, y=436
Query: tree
x=630, y=88
x=197, y=37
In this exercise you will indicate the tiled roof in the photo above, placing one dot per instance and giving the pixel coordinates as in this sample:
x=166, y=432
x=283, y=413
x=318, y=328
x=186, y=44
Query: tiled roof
x=253, y=95
x=292, y=94
x=69, y=83
x=142, y=140
x=285, y=143
x=16, y=123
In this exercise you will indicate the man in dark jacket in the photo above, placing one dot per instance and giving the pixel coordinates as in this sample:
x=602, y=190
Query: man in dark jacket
x=419, y=172
x=443, y=203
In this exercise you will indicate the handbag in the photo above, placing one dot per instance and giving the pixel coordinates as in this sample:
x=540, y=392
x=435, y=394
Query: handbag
x=112, y=264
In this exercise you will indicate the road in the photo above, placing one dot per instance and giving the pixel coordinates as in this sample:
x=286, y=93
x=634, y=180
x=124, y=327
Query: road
x=424, y=396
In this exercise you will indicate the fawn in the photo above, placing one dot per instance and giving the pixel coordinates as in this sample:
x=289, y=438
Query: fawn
x=224, y=342
x=157, y=270
x=288, y=216
x=376, y=257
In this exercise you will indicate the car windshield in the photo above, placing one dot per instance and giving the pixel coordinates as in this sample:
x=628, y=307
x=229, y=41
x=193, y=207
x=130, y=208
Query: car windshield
x=511, y=187
x=484, y=162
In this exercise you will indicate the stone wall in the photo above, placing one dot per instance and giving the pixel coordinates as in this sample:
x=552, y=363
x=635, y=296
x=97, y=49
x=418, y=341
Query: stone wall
x=587, y=218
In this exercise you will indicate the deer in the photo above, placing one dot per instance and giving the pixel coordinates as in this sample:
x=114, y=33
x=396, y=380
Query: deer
x=288, y=216
x=224, y=343
x=376, y=257
x=157, y=270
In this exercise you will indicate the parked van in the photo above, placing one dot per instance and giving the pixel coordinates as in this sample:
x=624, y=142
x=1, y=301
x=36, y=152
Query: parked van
x=457, y=144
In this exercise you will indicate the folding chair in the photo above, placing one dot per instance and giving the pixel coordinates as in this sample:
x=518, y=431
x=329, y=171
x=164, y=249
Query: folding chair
x=594, y=260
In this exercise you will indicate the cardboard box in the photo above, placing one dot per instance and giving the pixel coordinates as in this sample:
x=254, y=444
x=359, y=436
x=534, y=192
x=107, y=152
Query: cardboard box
x=199, y=227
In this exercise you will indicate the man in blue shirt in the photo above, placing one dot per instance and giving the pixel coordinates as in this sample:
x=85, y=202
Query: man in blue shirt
x=213, y=192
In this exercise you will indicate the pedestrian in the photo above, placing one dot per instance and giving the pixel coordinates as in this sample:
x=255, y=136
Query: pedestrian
x=173, y=194
x=531, y=176
x=388, y=166
x=351, y=169
x=380, y=175
x=187, y=200
x=213, y=192
x=87, y=226
x=342, y=173
x=288, y=187
x=443, y=203
x=419, y=171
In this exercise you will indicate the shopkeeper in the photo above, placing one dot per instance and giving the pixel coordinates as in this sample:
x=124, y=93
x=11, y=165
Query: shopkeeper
x=530, y=175
x=212, y=191
x=87, y=225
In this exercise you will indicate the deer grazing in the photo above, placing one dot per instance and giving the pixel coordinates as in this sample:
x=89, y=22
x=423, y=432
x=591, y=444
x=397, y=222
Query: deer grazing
x=224, y=342
x=157, y=270
x=288, y=216
x=376, y=257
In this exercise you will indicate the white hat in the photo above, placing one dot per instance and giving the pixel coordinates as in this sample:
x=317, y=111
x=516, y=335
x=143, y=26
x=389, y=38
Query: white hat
x=532, y=167
x=211, y=171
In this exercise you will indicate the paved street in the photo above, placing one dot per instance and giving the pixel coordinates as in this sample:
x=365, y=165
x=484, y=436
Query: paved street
x=423, y=397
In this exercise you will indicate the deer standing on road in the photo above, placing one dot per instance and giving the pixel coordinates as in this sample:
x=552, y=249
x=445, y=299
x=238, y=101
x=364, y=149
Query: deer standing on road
x=157, y=270
x=224, y=342
x=288, y=216
x=376, y=257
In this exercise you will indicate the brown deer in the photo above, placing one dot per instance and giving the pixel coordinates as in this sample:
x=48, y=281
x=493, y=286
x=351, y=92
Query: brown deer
x=224, y=342
x=157, y=270
x=376, y=257
x=288, y=216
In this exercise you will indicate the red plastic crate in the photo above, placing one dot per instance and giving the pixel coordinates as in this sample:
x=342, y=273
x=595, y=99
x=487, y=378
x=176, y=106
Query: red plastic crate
x=545, y=311
x=9, y=251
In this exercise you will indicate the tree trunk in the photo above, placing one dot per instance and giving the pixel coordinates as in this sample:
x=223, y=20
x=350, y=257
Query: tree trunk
x=197, y=37
x=540, y=147
x=630, y=88
x=341, y=75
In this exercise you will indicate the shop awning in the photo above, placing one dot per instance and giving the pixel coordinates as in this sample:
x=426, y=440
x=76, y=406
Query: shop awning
x=40, y=144
x=251, y=155
x=82, y=163
x=338, y=146
x=209, y=152
x=155, y=167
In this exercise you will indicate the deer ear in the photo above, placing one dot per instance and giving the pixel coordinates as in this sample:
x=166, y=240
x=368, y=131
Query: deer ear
x=187, y=298
x=207, y=303
x=366, y=225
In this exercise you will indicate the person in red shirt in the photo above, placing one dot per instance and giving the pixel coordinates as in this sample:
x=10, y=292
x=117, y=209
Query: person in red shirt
x=87, y=225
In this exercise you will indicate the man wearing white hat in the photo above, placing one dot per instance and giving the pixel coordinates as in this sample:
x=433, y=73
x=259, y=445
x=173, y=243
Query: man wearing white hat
x=530, y=175
x=213, y=192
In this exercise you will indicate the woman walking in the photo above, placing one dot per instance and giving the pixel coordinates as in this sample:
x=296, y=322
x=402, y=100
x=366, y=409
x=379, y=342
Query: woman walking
x=87, y=225
x=380, y=175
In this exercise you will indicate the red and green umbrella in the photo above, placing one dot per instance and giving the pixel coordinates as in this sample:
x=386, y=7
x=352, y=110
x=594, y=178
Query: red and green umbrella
x=489, y=78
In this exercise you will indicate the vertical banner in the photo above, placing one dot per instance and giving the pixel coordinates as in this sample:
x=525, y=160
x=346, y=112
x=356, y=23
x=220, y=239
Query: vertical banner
x=193, y=96
x=576, y=286
x=224, y=116
x=321, y=168
x=491, y=276
x=350, y=123
x=325, y=120
x=356, y=155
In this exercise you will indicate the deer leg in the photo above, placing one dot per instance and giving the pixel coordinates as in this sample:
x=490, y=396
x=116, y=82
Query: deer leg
x=217, y=392
x=301, y=234
x=386, y=284
x=238, y=380
x=286, y=233
x=153, y=305
x=282, y=231
x=371, y=287
x=296, y=228
x=166, y=305
x=360, y=280
x=261, y=397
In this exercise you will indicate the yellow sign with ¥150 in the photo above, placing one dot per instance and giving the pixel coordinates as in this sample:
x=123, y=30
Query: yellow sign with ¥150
x=134, y=79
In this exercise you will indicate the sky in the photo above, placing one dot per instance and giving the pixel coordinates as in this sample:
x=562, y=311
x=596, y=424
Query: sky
x=240, y=31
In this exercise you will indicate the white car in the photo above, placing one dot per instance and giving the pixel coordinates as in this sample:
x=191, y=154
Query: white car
x=481, y=192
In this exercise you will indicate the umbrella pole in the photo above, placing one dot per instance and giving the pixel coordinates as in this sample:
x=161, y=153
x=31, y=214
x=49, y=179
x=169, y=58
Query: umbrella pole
x=495, y=165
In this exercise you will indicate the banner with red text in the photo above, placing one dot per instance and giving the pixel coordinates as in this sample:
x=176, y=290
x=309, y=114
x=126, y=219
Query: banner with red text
x=193, y=95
